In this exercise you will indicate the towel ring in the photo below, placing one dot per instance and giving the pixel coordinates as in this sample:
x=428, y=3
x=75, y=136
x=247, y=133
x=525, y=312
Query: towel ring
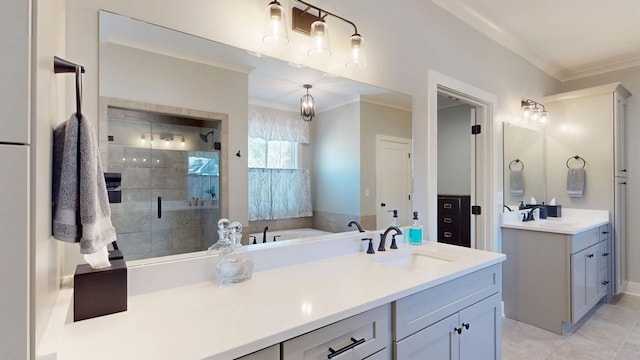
x=584, y=163
x=516, y=161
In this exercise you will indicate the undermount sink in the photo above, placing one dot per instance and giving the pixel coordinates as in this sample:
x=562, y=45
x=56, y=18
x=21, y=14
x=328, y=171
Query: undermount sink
x=413, y=260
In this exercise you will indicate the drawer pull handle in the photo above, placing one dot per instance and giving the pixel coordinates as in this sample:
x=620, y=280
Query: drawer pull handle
x=447, y=220
x=466, y=325
x=446, y=206
x=605, y=232
x=605, y=282
x=447, y=234
x=458, y=330
x=334, y=353
x=590, y=256
x=605, y=254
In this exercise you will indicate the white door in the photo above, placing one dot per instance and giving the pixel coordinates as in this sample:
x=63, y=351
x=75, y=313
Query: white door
x=393, y=180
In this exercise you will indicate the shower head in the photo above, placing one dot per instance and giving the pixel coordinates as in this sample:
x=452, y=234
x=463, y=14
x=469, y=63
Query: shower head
x=205, y=137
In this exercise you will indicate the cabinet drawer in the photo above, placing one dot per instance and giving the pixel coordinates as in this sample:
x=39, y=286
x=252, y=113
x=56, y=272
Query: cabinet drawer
x=452, y=220
x=584, y=239
x=603, y=281
x=448, y=233
x=604, y=254
x=449, y=205
x=604, y=232
x=270, y=353
x=371, y=329
x=380, y=355
x=416, y=312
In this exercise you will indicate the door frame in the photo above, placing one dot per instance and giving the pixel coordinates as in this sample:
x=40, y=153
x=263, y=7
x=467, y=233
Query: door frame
x=485, y=179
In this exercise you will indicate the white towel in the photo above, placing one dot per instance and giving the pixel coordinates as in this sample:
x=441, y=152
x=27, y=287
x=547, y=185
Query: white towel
x=516, y=182
x=93, y=203
x=575, y=182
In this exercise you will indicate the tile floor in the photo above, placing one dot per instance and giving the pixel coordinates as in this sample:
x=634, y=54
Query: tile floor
x=612, y=332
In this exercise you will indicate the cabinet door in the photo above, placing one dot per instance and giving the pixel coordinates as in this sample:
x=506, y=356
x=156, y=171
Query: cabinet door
x=438, y=341
x=584, y=281
x=481, y=326
x=620, y=135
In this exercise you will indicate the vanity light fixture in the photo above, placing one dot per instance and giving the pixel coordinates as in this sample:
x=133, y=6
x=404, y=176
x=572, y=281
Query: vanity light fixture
x=315, y=26
x=532, y=110
x=167, y=137
x=275, y=26
x=307, y=105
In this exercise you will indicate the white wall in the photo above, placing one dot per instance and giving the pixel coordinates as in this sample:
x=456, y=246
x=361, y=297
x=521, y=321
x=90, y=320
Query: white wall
x=377, y=119
x=454, y=150
x=336, y=160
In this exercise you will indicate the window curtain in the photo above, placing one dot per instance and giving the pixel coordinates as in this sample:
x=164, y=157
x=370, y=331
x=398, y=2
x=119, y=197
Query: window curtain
x=279, y=194
x=278, y=128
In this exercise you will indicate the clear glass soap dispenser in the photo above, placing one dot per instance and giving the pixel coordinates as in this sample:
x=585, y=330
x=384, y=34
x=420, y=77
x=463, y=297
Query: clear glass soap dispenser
x=233, y=264
x=415, y=231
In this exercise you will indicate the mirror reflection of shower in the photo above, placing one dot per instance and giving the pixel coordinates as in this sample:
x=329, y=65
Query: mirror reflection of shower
x=205, y=137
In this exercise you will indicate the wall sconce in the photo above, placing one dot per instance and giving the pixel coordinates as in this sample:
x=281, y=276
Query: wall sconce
x=535, y=111
x=275, y=26
x=316, y=28
x=307, y=106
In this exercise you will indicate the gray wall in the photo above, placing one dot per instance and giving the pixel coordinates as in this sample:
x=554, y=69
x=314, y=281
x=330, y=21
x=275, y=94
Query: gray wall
x=454, y=150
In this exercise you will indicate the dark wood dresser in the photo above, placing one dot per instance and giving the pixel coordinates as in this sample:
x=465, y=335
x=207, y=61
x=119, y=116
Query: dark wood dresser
x=454, y=219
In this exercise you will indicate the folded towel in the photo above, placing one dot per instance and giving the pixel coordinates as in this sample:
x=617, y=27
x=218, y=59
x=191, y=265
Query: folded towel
x=93, y=204
x=516, y=182
x=575, y=182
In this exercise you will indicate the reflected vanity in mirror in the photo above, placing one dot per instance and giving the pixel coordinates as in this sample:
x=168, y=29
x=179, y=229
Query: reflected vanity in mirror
x=524, y=168
x=201, y=103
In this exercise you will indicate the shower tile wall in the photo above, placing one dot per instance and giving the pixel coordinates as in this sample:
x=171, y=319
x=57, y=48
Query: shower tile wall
x=148, y=174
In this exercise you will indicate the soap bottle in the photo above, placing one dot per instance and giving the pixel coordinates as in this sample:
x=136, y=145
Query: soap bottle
x=394, y=221
x=415, y=231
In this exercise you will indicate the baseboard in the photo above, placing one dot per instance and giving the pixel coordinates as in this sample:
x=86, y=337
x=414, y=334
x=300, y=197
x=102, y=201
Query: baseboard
x=631, y=288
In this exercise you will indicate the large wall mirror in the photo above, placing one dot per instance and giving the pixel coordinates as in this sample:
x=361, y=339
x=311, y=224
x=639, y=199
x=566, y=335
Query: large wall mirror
x=221, y=118
x=524, y=164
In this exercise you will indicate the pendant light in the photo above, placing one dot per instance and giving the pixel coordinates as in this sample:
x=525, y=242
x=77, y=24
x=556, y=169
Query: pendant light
x=307, y=106
x=319, y=45
x=275, y=26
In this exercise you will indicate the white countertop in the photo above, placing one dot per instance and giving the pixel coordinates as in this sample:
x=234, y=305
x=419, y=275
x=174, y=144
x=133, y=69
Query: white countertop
x=207, y=320
x=573, y=221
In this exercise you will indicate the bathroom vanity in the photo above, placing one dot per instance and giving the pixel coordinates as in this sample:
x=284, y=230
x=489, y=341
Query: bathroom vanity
x=317, y=299
x=556, y=270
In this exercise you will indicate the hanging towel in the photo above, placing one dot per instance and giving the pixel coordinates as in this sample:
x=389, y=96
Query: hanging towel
x=516, y=182
x=93, y=203
x=575, y=182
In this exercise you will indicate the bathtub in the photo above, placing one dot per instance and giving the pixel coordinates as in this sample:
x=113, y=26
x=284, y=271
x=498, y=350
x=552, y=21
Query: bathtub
x=289, y=234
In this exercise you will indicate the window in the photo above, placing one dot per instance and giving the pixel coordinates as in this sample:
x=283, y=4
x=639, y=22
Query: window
x=272, y=154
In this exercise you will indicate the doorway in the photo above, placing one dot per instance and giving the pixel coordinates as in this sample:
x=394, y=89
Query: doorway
x=482, y=183
x=393, y=180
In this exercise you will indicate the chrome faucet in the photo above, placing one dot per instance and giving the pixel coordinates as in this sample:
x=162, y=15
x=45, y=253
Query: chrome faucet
x=383, y=237
x=356, y=224
x=264, y=234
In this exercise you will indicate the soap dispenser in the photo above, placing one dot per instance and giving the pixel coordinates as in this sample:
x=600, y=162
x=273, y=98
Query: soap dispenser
x=415, y=231
x=233, y=265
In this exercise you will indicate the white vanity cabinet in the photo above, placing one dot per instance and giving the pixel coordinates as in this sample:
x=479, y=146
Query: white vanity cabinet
x=552, y=280
x=460, y=319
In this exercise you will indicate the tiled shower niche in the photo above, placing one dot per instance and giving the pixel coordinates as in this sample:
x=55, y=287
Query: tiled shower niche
x=170, y=168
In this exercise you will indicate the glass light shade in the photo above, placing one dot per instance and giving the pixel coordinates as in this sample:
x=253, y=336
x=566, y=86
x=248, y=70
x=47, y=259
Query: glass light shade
x=357, y=59
x=544, y=117
x=275, y=26
x=526, y=111
x=319, y=45
x=535, y=114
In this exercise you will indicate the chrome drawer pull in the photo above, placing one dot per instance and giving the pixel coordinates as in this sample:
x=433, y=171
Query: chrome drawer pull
x=447, y=234
x=447, y=220
x=446, y=206
x=334, y=353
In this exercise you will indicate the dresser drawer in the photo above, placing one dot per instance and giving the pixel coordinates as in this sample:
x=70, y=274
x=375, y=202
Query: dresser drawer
x=417, y=311
x=449, y=205
x=361, y=335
